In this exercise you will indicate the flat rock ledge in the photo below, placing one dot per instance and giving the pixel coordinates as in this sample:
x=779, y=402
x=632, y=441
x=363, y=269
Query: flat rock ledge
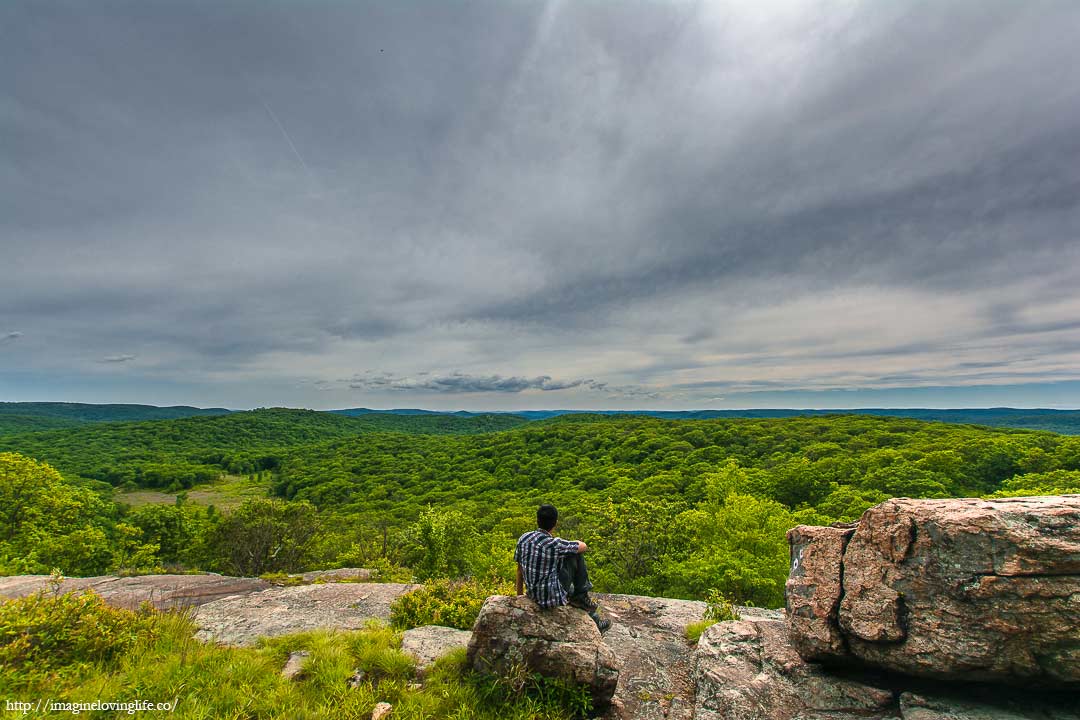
x=232, y=610
x=428, y=643
x=165, y=592
x=242, y=619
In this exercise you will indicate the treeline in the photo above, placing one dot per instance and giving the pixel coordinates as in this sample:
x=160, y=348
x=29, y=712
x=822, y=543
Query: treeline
x=836, y=464
x=89, y=413
x=180, y=453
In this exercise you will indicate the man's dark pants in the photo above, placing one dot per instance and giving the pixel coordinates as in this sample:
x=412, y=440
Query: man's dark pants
x=573, y=575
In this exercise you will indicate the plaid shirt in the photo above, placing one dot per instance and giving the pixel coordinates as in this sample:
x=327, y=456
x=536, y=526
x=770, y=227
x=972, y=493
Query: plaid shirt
x=538, y=552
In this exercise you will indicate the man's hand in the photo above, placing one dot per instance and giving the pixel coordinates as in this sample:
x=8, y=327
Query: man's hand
x=520, y=581
x=581, y=547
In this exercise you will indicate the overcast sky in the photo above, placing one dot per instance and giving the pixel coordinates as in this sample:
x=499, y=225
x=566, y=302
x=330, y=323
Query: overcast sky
x=508, y=204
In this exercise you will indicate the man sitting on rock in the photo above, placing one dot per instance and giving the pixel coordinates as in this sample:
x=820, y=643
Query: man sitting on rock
x=553, y=570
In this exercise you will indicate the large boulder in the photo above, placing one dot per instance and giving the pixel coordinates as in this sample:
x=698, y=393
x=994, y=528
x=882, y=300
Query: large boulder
x=961, y=589
x=513, y=634
x=814, y=589
x=749, y=670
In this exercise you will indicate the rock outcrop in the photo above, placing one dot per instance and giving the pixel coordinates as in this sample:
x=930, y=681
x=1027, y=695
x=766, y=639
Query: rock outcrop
x=162, y=591
x=925, y=610
x=962, y=589
x=749, y=670
x=428, y=643
x=241, y=619
x=512, y=634
x=648, y=636
x=236, y=611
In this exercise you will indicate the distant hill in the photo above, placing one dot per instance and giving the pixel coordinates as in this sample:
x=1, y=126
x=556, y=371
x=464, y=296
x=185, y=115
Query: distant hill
x=358, y=412
x=84, y=412
x=1066, y=422
x=24, y=417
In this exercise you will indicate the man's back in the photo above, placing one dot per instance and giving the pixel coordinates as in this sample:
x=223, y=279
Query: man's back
x=538, y=552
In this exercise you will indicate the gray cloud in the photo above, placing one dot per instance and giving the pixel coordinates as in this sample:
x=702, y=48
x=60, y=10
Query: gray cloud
x=462, y=383
x=457, y=382
x=117, y=358
x=662, y=196
x=10, y=337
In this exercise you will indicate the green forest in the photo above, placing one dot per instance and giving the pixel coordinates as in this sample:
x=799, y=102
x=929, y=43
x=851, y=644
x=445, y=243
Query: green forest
x=671, y=507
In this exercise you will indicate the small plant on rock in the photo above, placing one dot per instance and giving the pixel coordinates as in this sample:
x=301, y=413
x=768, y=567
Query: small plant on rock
x=718, y=608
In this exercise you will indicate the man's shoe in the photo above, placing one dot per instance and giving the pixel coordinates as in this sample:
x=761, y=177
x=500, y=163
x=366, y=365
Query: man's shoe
x=602, y=624
x=583, y=602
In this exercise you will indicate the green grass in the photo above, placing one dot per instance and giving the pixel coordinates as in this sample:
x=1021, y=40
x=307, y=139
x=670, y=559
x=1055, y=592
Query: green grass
x=158, y=660
x=224, y=494
x=694, y=629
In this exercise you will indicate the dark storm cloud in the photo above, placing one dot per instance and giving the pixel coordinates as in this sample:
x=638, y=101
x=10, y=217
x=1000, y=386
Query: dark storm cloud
x=650, y=194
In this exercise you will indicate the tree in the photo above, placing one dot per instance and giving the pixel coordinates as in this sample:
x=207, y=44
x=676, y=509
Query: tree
x=441, y=543
x=263, y=536
x=49, y=523
x=171, y=527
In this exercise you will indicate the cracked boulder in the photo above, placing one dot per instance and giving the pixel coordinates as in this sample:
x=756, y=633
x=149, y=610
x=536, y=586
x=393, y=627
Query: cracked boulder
x=512, y=636
x=959, y=589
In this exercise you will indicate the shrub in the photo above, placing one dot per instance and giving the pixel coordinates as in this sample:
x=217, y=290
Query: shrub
x=1057, y=482
x=264, y=536
x=443, y=602
x=46, y=632
x=719, y=608
x=440, y=543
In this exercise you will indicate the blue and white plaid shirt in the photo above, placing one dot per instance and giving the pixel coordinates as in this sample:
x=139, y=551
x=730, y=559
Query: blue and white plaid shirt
x=538, y=552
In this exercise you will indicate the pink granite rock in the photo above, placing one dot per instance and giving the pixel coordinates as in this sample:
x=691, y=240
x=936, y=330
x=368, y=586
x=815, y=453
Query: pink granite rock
x=959, y=589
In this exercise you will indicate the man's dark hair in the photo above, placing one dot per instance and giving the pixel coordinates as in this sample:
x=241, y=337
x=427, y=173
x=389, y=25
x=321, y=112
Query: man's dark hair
x=546, y=516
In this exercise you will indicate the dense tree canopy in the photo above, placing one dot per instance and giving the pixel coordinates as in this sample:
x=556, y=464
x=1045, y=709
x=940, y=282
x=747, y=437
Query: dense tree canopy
x=193, y=450
x=681, y=508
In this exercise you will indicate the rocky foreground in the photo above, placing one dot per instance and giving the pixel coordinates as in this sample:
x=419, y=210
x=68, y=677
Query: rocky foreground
x=925, y=610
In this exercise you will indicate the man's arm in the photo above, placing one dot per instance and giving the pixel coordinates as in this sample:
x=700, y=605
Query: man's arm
x=520, y=581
